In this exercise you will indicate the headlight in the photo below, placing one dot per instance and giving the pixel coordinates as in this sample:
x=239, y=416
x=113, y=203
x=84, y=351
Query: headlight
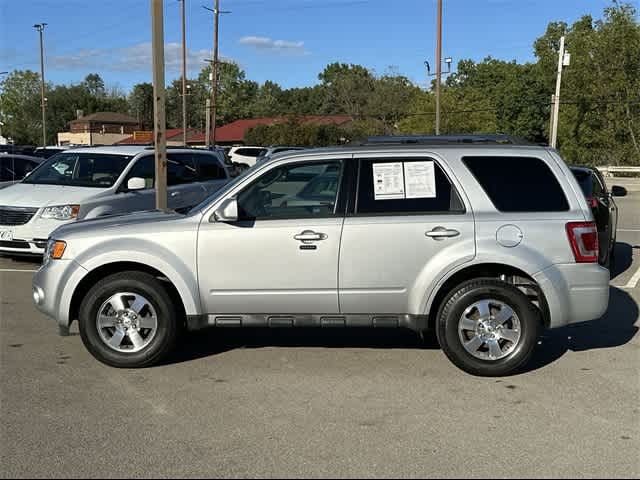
x=61, y=212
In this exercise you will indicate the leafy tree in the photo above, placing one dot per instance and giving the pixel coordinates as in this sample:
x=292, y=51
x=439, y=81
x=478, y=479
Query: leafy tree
x=141, y=104
x=20, y=110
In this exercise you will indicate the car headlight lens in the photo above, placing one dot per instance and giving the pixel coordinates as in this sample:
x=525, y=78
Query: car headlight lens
x=61, y=212
x=55, y=250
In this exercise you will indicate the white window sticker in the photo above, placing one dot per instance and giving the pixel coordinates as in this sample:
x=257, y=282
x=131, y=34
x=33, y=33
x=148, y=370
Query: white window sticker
x=388, y=181
x=420, y=179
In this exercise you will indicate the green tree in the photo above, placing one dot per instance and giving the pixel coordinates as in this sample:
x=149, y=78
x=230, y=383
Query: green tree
x=20, y=110
x=141, y=104
x=599, y=119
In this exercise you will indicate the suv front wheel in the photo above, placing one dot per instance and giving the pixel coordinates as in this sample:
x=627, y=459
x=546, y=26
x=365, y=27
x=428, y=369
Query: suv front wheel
x=127, y=320
x=488, y=327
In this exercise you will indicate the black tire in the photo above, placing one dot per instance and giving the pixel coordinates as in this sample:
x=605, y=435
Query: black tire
x=139, y=283
x=465, y=295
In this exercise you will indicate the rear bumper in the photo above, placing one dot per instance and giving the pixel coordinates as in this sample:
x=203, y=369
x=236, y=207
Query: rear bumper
x=576, y=292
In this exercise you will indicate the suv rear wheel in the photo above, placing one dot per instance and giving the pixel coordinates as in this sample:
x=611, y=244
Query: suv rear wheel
x=126, y=320
x=487, y=327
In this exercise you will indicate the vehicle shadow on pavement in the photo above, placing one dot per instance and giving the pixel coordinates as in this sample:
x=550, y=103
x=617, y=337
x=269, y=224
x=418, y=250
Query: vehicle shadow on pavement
x=616, y=328
x=215, y=341
x=624, y=259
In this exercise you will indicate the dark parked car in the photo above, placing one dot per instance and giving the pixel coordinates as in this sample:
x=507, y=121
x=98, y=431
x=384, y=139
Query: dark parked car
x=605, y=210
x=14, y=168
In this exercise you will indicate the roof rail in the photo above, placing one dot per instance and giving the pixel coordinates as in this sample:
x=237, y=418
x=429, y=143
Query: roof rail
x=498, y=139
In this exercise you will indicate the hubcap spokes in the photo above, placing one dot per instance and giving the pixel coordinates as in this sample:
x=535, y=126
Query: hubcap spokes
x=127, y=322
x=489, y=330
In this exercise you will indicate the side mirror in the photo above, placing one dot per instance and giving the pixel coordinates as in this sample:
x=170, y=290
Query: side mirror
x=617, y=191
x=136, y=183
x=228, y=211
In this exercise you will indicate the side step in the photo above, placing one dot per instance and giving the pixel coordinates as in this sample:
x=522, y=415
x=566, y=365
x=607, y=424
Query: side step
x=365, y=320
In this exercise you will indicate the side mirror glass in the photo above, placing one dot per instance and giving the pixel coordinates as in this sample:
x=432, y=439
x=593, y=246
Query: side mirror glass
x=136, y=183
x=617, y=191
x=228, y=211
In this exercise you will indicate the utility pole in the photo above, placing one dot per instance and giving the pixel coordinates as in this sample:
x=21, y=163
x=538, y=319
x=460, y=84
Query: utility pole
x=184, y=75
x=207, y=127
x=43, y=100
x=438, y=65
x=563, y=60
x=214, y=71
x=159, y=118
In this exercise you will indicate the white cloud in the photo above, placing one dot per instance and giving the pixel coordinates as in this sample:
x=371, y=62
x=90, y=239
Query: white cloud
x=271, y=45
x=133, y=58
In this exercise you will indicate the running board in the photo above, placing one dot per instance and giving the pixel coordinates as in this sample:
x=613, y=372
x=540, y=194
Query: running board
x=367, y=320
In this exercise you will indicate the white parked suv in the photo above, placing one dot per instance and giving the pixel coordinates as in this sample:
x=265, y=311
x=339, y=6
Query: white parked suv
x=95, y=182
x=485, y=244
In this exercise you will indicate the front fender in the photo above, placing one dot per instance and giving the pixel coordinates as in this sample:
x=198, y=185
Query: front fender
x=180, y=269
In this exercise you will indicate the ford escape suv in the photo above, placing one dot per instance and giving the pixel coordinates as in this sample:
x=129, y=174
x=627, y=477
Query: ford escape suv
x=485, y=244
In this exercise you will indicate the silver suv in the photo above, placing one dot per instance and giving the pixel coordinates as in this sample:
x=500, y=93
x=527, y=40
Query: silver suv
x=485, y=244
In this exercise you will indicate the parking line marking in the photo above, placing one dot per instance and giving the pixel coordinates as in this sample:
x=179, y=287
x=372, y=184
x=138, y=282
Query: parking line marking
x=16, y=270
x=634, y=280
x=628, y=230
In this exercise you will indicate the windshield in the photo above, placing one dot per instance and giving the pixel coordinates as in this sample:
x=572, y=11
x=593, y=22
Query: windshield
x=77, y=169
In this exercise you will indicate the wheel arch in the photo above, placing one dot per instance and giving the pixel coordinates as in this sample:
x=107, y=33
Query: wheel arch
x=506, y=273
x=102, y=271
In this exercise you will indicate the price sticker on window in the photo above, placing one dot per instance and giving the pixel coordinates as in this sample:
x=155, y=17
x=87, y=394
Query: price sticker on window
x=420, y=179
x=388, y=181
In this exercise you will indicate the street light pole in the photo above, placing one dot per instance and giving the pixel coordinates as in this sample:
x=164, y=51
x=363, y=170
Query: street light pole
x=438, y=65
x=184, y=75
x=43, y=100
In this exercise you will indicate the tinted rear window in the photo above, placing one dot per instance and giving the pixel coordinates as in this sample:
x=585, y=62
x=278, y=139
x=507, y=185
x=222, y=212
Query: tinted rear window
x=584, y=179
x=518, y=184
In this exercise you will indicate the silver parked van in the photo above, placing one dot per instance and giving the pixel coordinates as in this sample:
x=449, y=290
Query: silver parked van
x=94, y=182
x=485, y=244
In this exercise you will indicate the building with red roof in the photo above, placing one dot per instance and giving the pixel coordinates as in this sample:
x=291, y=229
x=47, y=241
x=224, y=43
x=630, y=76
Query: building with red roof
x=234, y=133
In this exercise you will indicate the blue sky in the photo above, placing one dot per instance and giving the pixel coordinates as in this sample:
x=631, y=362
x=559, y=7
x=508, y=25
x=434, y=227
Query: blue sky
x=288, y=41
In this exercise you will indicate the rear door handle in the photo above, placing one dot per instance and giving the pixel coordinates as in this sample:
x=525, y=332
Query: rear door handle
x=440, y=233
x=309, y=236
x=175, y=194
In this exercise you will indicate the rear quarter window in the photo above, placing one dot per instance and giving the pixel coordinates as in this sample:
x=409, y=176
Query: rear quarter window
x=518, y=184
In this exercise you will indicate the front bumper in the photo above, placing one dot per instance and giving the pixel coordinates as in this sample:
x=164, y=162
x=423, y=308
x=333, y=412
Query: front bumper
x=53, y=286
x=30, y=238
x=575, y=292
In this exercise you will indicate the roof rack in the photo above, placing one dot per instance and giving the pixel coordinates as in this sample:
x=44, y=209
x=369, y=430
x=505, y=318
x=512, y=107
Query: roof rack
x=498, y=139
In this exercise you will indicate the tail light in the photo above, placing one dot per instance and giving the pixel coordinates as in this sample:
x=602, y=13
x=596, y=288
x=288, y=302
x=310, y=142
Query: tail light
x=583, y=237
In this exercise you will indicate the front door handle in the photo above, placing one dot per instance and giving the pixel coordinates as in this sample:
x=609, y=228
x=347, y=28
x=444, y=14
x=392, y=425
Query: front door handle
x=175, y=194
x=309, y=236
x=440, y=233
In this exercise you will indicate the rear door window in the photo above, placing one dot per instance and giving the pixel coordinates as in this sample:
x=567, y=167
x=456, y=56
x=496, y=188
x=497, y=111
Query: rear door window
x=181, y=169
x=518, y=184
x=210, y=167
x=396, y=186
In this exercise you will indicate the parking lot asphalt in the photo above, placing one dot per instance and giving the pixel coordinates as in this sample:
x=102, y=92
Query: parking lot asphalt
x=323, y=403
